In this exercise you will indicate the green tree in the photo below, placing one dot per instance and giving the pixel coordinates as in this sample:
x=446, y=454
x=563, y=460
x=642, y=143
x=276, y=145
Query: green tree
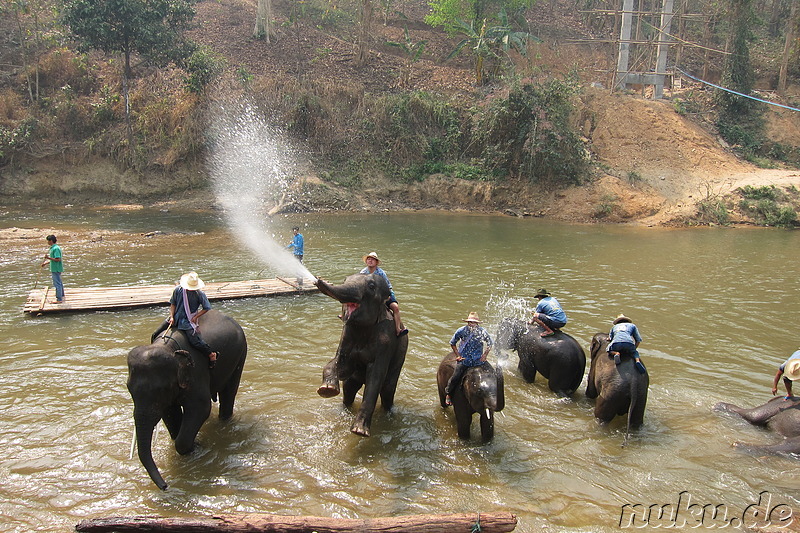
x=449, y=14
x=151, y=28
x=490, y=43
x=740, y=120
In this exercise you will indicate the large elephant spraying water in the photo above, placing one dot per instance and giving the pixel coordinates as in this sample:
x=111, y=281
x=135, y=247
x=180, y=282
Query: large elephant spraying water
x=170, y=380
x=779, y=415
x=558, y=357
x=370, y=353
x=618, y=389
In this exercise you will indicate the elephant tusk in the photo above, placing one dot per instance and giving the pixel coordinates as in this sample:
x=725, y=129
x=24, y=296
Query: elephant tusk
x=133, y=443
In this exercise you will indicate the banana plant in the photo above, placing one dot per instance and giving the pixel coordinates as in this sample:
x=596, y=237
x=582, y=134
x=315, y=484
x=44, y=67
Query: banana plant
x=413, y=51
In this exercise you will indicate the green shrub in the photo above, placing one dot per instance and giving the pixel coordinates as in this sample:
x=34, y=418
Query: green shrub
x=714, y=211
x=766, y=192
x=203, y=67
x=529, y=134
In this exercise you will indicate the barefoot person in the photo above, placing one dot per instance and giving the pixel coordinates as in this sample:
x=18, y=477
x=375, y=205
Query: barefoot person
x=186, y=305
x=475, y=344
x=372, y=262
x=54, y=258
x=790, y=371
x=624, y=339
x=548, y=313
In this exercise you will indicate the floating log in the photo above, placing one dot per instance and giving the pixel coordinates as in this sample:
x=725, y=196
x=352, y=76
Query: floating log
x=41, y=301
x=265, y=523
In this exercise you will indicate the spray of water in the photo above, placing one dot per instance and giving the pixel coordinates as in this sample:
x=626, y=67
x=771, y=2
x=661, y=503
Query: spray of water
x=251, y=166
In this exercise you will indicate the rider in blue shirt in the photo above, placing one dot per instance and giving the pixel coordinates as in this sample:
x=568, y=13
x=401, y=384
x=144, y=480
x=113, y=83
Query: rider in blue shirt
x=548, y=313
x=624, y=339
x=475, y=344
x=372, y=262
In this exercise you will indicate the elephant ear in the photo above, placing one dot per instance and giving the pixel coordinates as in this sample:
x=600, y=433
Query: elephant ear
x=185, y=362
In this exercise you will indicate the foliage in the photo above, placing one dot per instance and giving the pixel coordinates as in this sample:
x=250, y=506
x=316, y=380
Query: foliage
x=769, y=213
x=203, y=67
x=529, y=134
x=740, y=120
x=608, y=202
x=714, y=211
x=16, y=138
x=766, y=192
x=634, y=177
x=413, y=51
x=449, y=14
x=489, y=43
x=152, y=28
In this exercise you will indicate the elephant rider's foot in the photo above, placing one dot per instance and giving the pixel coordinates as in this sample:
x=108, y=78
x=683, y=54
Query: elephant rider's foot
x=548, y=333
x=615, y=355
x=402, y=332
x=212, y=359
x=328, y=390
x=639, y=366
x=448, y=400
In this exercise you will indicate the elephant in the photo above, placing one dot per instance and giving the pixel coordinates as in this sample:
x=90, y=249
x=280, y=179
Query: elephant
x=618, y=389
x=370, y=354
x=779, y=415
x=481, y=391
x=559, y=357
x=170, y=380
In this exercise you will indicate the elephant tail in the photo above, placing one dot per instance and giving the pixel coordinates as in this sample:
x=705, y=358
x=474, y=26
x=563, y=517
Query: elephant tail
x=632, y=409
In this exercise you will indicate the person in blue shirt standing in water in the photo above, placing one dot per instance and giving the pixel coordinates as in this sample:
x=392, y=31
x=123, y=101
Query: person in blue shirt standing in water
x=475, y=346
x=624, y=339
x=548, y=313
x=297, y=244
x=55, y=259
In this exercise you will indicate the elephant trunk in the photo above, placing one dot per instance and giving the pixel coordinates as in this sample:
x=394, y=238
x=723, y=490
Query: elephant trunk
x=144, y=438
x=501, y=389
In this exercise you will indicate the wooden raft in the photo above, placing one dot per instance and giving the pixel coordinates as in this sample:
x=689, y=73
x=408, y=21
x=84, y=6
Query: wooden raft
x=263, y=523
x=41, y=301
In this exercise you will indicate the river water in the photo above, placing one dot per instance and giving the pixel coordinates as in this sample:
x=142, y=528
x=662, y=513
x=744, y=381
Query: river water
x=717, y=308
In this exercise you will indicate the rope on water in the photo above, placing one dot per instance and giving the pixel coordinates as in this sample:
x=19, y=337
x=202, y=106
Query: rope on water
x=476, y=527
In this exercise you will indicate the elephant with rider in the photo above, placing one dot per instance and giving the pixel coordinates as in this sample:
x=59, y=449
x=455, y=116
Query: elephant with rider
x=558, y=356
x=171, y=380
x=370, y=352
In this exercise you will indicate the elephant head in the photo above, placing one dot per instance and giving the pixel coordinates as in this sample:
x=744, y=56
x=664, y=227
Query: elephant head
x=171, y=381
x=363, y=297
x=370, y=354
x=481, y=391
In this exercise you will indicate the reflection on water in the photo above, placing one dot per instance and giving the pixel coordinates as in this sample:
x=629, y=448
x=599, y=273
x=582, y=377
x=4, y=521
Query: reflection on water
x=715, y=307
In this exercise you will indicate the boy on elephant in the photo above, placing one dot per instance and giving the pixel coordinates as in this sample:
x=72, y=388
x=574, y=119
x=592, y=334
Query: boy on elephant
x=372, y=262
x=548, y=313
x=624, y=339
x=475, y=346
x=187, y=297
x=790, y=370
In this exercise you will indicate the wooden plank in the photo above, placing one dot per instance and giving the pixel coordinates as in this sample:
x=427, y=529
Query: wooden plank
x=125, y=297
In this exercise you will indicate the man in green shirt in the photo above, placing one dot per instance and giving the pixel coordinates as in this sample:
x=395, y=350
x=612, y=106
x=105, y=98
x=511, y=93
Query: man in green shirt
x=53, y=256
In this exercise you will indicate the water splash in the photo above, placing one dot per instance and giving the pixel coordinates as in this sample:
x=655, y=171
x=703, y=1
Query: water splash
x=252, y=165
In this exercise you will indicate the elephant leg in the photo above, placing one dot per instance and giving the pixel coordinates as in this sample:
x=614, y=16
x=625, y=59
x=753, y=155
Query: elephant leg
x=637, y=412
x=463, y=422
x=757, y=416
x=330, y=380
x=605, y=411
x=196, y=412
x=351, y=386
x=388, y=390
x=227, y=396
x=791, y=445
x=173, y=416
x=527, y=370
x=375, y=376
x=487, y=425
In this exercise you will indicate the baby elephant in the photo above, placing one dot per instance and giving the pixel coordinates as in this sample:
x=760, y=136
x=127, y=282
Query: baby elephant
x=779, y=415
x=481, y=392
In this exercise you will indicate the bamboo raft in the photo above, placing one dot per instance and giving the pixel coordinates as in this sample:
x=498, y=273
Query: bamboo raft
x=41, y=301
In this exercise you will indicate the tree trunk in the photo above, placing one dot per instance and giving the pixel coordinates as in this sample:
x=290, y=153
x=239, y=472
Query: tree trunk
x=265, y=523
x=263, y=20
x=366, y=17
x=787, y=48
